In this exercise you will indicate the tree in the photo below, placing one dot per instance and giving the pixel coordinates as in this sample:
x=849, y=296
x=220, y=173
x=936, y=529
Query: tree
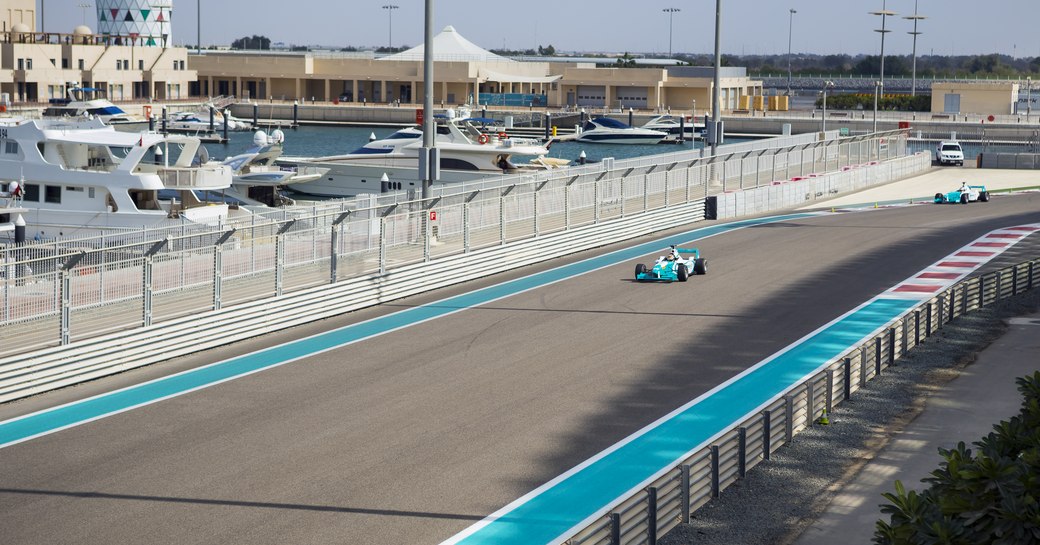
x=626, y=61
x=254, y=42
x=990, y=496
x=547, y=51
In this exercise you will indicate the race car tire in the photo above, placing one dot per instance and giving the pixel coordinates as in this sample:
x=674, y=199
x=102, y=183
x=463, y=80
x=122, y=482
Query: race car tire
x=964, y=198
x=939, y=198
x=640, y=269
x=984, y=196
x=700, y=266
x=681, y=273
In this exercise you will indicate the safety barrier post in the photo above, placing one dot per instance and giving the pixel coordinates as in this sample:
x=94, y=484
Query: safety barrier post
x=623, y=197
x=928, y=321
x=1014, y=280
x=892, y=345
x=847, y=372
x=788, y=419
x=382, y=245
x=964, y=299
x=982, y=291
x=904, y=341
x=741, y=452
x=534, y=206
x=1030, y=284
x=218, y=274
x=810, y=403
x=715, y=492
x=337, y=227
x=615, y=529
x=939, y=307
x=767, y=434
x=646, y=191
x=146, y=291
x=829, y=398
x=502, y=220
x=427, y=228
x=877, y=356
x=917, y=327
x=595, y=201
x=863, y=366
x=1000, y=287
x=567, y=207
x=667, y=175
x=651, y=523
x=66, y=305
x=684, y=494
x=279, y=262
x=465, y=228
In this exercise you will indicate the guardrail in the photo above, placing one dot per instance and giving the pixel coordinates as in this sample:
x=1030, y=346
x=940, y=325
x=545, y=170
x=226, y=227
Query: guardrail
x=693, y=482
x=69, y=291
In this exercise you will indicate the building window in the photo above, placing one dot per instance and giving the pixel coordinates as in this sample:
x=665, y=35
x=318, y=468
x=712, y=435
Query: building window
x=81, y=64
x=28, y=64
x=184, y=65
x=64, y=64
x=52, y=194
x=140, y=65
x=21, y=64
x=119, y=64
x=54, y=62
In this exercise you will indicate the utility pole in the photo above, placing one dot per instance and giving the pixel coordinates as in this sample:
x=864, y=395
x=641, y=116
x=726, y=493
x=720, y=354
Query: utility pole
x=915, y=17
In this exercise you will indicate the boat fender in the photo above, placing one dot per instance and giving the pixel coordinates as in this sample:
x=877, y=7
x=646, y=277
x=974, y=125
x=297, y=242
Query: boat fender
x=483, y=139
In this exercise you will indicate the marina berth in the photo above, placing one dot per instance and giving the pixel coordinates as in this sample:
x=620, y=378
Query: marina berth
x=606, y=130
x=470, y=149
x=91, y=102
x=81, y=177
x=256, y=178
x=677, y=128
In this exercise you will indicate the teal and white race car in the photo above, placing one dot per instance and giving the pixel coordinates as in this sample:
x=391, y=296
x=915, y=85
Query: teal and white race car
x=964, y=195
x=673, y=266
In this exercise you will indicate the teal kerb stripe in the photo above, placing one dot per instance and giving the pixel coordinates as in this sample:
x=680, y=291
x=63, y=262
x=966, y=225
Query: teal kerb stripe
x=48, y=421
x=546, y=516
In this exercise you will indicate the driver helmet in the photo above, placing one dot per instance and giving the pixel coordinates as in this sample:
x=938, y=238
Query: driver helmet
x=670, y=257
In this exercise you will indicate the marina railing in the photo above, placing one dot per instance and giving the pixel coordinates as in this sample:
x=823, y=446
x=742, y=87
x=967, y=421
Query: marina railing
x=693, y=482
x=59, y=293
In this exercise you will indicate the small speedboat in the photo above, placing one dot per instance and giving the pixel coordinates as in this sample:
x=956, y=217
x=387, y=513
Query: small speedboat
x=606, y=130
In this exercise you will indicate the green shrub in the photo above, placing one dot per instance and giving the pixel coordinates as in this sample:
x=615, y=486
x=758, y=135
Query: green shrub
x=865, y=101
x=989, y=496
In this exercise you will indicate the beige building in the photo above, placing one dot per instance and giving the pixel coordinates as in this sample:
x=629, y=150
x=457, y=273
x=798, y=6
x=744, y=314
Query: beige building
x=985, y=98
x=464, y=72
x=37, y=66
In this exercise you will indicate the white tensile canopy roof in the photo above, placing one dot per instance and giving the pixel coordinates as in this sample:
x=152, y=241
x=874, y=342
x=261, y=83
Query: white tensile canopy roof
x=449, y=45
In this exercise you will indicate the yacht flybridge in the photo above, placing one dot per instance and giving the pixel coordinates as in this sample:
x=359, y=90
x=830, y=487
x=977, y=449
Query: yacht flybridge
x=80, y=176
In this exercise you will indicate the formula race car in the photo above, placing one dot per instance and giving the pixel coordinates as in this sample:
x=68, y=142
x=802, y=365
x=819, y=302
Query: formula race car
x=964, y=195
x=673, y=266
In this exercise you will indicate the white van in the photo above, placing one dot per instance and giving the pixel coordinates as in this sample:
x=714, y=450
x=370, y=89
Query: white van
x=949, y=153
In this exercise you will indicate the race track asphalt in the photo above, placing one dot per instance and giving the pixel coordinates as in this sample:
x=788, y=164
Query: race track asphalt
x=415, y=435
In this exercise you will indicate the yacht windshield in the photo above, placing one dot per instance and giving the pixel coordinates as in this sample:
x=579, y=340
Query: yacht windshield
x=610, y=123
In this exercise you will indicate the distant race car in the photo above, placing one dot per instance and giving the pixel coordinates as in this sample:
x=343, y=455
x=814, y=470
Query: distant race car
x=673, y=266
x=964, y=195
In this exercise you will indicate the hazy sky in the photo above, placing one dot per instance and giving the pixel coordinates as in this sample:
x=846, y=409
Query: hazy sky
x=748, y=26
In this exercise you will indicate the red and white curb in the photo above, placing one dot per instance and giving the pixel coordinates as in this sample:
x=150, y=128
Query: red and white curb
x=952, y=268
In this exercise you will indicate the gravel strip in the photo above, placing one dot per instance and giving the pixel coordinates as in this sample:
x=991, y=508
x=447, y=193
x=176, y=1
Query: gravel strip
x=806, y=474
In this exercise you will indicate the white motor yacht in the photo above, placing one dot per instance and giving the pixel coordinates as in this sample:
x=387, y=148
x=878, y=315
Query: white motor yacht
x=78, y=177
x=606, y=130
x=675, y=126
x=91, y=102
x=192, y=122
x=255, y=176
x=468, y=151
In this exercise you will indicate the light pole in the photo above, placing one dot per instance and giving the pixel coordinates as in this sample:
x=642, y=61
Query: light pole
x=915, y=18
x=84, y=7
x=884, y=13
x=826, y=86
x=715, y=132
x=790, y=29
x=198, y=30
x=670, y=12
x=390, y=12
x=877, y=87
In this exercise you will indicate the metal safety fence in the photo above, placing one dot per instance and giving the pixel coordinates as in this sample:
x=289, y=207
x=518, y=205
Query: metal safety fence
x=70, y=290
x=693, y=482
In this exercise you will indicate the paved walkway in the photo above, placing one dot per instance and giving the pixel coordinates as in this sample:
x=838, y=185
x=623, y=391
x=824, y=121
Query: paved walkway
x=965, y=409
x=939, y=180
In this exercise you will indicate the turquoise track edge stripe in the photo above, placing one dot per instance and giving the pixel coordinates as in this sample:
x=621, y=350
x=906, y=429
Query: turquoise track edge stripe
x=557, y=509
x=48, y=421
